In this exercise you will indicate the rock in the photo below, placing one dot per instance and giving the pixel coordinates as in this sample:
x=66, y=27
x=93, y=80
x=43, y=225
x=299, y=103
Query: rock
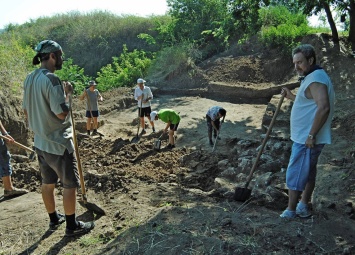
x=230, y=173
x=223, y=164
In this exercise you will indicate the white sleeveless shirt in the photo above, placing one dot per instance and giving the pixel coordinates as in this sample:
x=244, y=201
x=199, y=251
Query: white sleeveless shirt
x=304, y=110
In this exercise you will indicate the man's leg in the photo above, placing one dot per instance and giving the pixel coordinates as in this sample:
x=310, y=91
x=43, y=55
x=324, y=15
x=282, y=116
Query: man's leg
x=88, y=125
x=292, y=199
x=307, y=193
x=171, y=137
x=152, y=124
x=142, y=122
x=69, y=201
x=95, y=123
x=48, y=197
x=6, y=180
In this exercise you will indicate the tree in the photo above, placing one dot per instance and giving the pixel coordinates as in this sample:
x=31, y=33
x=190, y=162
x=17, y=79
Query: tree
x=315, y=6
x=346, y=7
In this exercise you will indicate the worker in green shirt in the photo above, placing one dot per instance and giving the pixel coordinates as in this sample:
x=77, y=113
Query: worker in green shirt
x=172, y=120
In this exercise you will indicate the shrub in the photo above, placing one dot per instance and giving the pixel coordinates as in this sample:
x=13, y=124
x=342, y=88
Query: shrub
x=124, y=70
x=15, y=62
x=74, y=74
x=281, y=27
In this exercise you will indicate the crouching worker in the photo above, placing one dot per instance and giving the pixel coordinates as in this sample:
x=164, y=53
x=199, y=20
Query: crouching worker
x=213, y=116
x=172, y=120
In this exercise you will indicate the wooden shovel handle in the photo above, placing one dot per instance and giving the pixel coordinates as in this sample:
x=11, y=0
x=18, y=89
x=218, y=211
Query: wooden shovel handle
x=76, y=149
x=264, y=141
x=18, y=144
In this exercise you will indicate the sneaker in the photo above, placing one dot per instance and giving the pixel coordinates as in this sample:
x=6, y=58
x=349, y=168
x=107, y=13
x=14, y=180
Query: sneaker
x=82, y=228
x=211, y=143
x=94, y=132
x=14, y=192
x=302, y=211
x=143, y=132
x=55, y=225
x=153, y=130
x=287, y=214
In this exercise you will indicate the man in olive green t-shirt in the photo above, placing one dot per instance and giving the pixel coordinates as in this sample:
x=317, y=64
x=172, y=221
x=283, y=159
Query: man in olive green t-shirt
x=172, y=120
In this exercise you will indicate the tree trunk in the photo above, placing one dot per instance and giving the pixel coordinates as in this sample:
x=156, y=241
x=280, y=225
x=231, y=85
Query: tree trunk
x=352, y=24
x=331, y=21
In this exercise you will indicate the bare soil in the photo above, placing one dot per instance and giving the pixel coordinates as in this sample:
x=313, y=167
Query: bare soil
x=180, y=201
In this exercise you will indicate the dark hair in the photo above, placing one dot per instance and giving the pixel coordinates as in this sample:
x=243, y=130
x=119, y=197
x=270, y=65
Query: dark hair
x=307, y=50
x=222, y=111
x=40, y=57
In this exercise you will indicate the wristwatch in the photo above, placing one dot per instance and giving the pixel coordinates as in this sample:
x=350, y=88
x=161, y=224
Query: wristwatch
x=312, y=137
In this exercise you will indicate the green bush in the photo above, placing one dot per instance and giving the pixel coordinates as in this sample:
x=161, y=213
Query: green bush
x=75, y=75
x=281, y=27
x=124, y=70
x=15, y=62
x=174, y=59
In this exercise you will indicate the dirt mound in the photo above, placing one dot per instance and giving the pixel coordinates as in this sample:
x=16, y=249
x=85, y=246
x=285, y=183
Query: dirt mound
x=180, y=201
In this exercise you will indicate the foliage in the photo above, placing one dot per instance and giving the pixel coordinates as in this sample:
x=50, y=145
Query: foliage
x=292, y=5
x=15, y=62
x=175, y=59
x=91, y=39
x=75, y=75
x=202, y=22
x=345, y=7
x=124, y=70
x=281, y=27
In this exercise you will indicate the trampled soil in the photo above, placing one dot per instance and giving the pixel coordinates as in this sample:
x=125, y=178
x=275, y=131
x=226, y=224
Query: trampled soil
x=180, y=201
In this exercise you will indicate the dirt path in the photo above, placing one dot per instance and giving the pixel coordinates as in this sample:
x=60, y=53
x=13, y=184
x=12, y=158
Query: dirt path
x=243, y=120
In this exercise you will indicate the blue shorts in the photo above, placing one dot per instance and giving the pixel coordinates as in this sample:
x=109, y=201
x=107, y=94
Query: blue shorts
x=5, y=166
x=63, y=167
x=302, y=166
x=94, y=114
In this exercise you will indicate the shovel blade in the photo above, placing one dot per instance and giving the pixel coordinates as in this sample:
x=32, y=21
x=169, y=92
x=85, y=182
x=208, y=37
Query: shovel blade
x=241, y=194
x=157, y=145
x=135, y=139
x=92, y=207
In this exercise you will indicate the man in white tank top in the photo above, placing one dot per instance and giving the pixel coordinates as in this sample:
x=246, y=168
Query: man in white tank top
x=311, y=118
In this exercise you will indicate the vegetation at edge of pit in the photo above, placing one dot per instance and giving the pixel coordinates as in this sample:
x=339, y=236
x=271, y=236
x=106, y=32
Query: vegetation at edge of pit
x=115, y=50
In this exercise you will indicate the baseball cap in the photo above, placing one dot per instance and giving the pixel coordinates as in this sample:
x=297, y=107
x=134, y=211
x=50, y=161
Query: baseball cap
x=92, y=83
x=140, y=80
x=153, y=114
x=44, y=47
x=47, y=46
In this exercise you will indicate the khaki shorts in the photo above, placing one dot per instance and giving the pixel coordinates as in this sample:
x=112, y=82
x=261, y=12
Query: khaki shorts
x=54, y=167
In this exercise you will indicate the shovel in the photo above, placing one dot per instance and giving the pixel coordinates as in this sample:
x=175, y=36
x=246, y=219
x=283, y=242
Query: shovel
x=32, y=155
x=157, y=143
x=243, y=194
x=136, y=138
x=215, y=141
x=84, y=203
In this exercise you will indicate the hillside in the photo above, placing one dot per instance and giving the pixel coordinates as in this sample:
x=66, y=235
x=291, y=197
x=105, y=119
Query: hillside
x=180, y=201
